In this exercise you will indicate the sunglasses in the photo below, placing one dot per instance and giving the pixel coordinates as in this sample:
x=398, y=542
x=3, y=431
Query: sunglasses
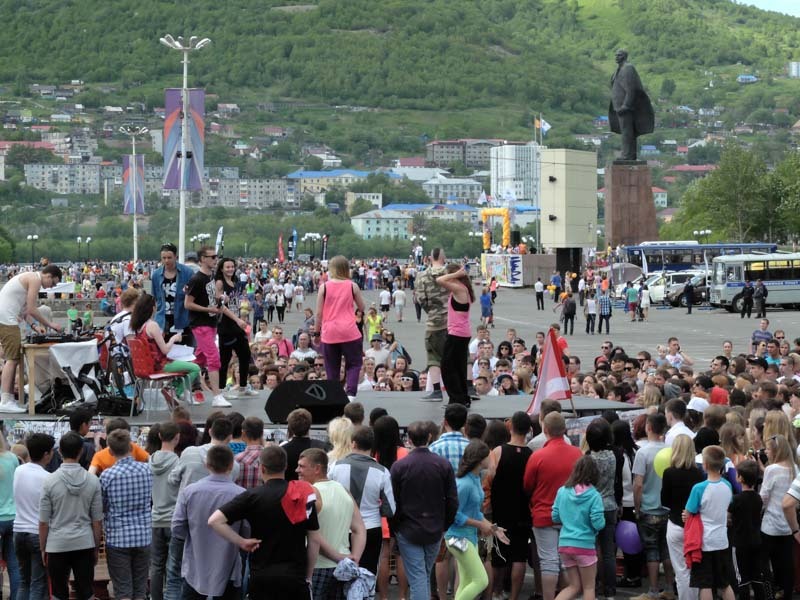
x=210, y=256
x=779, y=337
x=605, y=347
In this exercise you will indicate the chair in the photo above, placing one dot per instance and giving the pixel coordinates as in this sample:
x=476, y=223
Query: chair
x=146, y=375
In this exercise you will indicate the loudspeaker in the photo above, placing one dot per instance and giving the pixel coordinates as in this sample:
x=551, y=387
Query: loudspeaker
x=516, y=237
x=325, y=400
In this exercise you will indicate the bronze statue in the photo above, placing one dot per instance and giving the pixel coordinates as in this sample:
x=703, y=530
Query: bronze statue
x=630, y=112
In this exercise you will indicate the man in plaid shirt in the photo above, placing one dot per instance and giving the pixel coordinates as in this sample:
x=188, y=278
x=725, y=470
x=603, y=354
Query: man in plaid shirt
x=249, y=462
x=127, y=490
x=450, y=445
x=604, y=306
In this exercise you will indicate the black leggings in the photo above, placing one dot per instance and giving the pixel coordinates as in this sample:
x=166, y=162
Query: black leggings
x=281, y=310
x=454, y=368
x=270, y=313
x=229, y=345
x=777, y=553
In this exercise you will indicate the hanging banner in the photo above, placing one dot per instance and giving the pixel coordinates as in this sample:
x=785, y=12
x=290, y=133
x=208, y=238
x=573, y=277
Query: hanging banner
x=292, y=244
x=281, y=257
x=195, y=144
x=325, y=247
x=128, y=177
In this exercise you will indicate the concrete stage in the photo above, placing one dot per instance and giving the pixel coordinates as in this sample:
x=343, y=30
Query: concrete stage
x=406, y=407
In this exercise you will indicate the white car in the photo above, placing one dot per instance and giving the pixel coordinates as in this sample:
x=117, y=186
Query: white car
x=658, y=283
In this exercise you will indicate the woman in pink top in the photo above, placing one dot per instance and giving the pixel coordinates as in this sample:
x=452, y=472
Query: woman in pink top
x=336, y=322
x=456, y=348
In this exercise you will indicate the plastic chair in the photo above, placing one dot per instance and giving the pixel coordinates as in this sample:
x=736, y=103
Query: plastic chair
x=146, y=375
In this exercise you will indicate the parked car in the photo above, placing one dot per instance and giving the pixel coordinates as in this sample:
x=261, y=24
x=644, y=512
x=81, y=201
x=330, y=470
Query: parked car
x=659, y=283
x=676, y=297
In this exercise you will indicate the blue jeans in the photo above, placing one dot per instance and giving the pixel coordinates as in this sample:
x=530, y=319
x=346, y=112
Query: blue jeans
x=174, y=587
x=7, y=540
x=33, y=577
x=418, y=562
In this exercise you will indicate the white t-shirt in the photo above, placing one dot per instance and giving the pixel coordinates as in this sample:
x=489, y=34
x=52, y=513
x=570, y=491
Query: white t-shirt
x=386, y=297
x=711, y=499
x=28, y=481
x=777, y=480
x=679, y=428
x=399, y=298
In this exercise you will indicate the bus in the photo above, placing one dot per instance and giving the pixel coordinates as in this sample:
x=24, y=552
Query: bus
x=678, y=256
x=779, y=272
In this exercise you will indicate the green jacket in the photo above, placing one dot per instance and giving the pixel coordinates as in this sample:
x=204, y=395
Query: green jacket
x=433, y=298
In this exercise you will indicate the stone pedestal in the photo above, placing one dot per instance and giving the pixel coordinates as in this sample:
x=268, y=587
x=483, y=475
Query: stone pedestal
x=629, y=207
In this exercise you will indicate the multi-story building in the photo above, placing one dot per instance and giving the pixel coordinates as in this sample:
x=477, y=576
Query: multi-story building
x=221, y=185
x=515, y=170
x=374, y=198
x=469, y=152
x=457, y=213
x=301, y=183
x=382, y=224
x=452, y=189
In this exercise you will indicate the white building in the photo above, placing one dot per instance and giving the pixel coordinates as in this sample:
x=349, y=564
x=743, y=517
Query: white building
x=374, y=198
x=382, y=224
x=452, y=189
x=516, y=168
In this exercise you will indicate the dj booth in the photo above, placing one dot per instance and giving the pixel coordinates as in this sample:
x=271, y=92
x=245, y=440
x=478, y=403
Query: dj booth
x=50, y=357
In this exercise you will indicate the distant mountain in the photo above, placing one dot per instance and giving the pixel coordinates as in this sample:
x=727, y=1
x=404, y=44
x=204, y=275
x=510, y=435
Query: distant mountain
x=428, y=54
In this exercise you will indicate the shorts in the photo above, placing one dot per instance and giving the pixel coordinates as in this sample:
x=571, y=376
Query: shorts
x=574, y=559
x=434, y=346
x=385, y=307
x=206, y=352
x=653, y=531
x=714, y=571
x=516, y=551
x=11, y=339
x=632, y=305
x=547, y=548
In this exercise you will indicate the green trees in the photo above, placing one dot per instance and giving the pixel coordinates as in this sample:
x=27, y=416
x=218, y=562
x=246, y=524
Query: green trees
x=742, y=200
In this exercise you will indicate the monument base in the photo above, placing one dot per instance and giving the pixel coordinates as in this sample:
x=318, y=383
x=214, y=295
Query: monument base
x=629, y=207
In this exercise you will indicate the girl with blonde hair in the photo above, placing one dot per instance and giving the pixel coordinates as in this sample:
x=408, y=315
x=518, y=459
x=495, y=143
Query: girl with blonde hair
x=525, y=376
x=676, y=485
x=733, y=440
x=651, y=396
x=340, y=434
x=776, y=535
x=777, y=423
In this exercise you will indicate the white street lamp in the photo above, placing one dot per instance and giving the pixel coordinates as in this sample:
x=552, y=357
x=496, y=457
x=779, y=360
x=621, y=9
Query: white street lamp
x=33, y=238
x=79, y=239
x=133, y=132
x=185, y=47
x=88, y=247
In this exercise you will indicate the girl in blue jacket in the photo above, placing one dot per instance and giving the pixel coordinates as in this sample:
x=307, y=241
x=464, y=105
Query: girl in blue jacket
x=579, y=509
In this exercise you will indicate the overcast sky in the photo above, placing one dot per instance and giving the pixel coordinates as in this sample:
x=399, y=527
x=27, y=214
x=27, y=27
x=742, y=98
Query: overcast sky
x=790, y=7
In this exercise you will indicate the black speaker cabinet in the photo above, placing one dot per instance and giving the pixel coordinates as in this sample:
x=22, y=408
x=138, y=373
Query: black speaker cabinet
x=325, y=400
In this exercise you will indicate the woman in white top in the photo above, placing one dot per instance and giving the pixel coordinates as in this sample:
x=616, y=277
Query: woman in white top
x=776, y=535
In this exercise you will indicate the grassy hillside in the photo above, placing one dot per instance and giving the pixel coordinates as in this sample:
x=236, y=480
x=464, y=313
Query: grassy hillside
x=416, y=54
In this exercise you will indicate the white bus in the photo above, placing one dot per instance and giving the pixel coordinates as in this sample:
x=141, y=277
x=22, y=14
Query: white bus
x=779, y=272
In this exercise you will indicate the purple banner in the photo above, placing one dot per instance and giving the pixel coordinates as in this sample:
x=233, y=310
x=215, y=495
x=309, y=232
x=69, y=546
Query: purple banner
x=127, y=182
x=195, y=144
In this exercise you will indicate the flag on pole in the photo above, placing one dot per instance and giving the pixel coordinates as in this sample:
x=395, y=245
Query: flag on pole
x=293, y=244
x=482, y=198
x=173, y=128
x=644, y=263
x=281, y=256
x=544, y=126
x=552, y=383
x=128, y=176
x=219, y=247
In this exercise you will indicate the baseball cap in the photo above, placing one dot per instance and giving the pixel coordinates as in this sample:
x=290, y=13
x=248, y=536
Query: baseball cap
x=376, y=337
x=757, y=360
x=697, y=404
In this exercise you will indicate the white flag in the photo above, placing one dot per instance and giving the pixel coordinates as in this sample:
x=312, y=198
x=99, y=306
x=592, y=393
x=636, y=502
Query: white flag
x=510, y=196
x=545, y=127
x=482, y=197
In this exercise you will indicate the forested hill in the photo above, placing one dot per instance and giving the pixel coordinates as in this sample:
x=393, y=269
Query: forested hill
x=429, y=54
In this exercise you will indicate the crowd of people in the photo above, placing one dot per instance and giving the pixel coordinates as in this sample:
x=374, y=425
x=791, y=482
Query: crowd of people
x=226, y=509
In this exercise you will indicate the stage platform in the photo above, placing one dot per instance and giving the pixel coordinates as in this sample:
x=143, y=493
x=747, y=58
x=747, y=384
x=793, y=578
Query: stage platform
x=406, y=407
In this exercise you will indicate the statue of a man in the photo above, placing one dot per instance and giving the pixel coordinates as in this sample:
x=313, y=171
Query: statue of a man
x=630, y=112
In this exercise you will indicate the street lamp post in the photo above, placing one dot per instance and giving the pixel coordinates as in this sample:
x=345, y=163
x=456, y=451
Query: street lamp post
x=704, y=233
x=185, y=47
x=33, y=238
x=133, y=132
x=79, y=239
x=200, y=237
x=88, y=248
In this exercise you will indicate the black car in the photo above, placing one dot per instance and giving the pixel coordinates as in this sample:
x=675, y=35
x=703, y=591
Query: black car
x=676, y=297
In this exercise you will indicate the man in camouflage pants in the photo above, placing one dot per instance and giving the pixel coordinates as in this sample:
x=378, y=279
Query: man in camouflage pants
x=433, y=299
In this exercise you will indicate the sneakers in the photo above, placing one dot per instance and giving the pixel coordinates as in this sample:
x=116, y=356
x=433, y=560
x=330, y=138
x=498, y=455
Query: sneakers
x=11, y=406
x=624, y=582
x=434, y=396
x=198, y=397
x=647, y=596
x=248, y=392
x=667, y=595
x=220, y=402
x=351, y=398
